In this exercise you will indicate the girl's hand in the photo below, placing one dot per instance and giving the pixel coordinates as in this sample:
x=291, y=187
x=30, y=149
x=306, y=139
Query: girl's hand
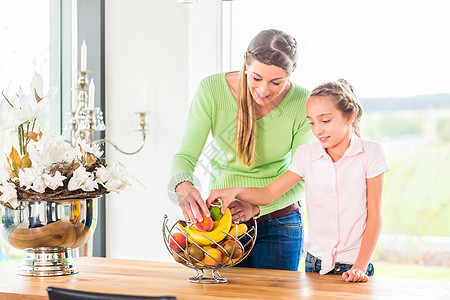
x=355, y=275
x=242, y=211
x=225, y=195
x=191, y=202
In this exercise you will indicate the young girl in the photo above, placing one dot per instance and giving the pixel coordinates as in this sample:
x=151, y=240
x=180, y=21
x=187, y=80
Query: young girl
x=343, y=178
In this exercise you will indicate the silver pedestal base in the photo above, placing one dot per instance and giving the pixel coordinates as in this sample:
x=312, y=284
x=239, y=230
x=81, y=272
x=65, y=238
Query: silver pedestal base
x=47, y=262
x=201, y=278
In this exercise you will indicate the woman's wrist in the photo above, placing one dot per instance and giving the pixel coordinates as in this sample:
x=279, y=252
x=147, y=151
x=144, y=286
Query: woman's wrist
x=182, y=183
x=255, y=210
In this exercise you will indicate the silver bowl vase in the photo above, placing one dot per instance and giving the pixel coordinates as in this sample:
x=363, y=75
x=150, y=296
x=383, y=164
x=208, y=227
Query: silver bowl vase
x=47, y=231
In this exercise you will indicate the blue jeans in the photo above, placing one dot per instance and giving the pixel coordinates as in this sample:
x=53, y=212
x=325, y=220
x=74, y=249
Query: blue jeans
x=313, y=264
x=279, y=244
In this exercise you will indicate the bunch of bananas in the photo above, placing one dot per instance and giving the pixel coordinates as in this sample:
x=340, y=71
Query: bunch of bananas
x=215, y=235
x=238, y=230
x=214, y=242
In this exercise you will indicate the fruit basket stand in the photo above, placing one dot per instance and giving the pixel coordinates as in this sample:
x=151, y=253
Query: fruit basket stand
x=208, y=251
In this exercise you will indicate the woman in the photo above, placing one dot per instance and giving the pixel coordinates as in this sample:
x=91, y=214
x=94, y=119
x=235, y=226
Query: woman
x=256, y=118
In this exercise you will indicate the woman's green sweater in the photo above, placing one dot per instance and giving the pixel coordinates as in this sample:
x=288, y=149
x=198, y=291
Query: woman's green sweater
x=279, y=133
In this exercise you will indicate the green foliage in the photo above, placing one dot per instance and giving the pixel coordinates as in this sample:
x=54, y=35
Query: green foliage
x=380, y=125
x=443, y=127
x=411, y=271
x=416, y=196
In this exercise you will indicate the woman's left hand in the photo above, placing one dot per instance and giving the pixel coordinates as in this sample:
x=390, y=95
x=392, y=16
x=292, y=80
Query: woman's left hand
x=355, y=275
x=242, y=211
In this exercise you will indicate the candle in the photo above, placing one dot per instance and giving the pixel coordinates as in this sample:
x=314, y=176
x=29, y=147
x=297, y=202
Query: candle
x=143, y=97
x=91, y=94
x=74, y=100
x=74, y=92
x=83, y=56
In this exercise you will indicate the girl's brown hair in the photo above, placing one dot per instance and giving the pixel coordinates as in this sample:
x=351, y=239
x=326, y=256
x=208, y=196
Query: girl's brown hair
x=345, y=97
x=270, y=47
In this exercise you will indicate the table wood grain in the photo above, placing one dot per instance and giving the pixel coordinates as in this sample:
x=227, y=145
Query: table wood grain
x=137, y=277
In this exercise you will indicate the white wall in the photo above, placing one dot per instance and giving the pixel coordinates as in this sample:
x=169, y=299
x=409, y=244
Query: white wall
x=160, y=44
x=204, y=41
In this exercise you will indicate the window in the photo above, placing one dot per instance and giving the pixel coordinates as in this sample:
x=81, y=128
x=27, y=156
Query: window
x=30, y=42
x=29, y=31
x=396, y=57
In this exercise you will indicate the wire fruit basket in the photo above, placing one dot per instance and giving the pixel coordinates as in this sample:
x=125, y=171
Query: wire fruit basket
x=201, y=252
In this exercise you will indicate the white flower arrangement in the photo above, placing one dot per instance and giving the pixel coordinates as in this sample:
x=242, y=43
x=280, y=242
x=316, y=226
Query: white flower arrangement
x=52, y=169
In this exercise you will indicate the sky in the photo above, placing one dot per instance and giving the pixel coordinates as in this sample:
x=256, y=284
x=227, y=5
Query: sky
x=386, y=48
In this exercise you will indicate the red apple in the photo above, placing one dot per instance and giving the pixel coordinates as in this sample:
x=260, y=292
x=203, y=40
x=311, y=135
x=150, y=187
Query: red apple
x=177, y=242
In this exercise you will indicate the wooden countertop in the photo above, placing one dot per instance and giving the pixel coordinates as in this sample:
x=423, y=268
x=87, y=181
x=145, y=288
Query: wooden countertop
x=147, y=278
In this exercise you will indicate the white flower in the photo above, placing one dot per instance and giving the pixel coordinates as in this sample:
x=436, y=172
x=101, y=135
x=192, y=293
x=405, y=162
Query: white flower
x=118, y=180
x=55, y=181
x=102, y=174
x=115, y=184
x=19, y=113
x=82, y=179
x=22, y=110
x=90, y=184
x=94, y=149
x=26, y=177
x=38, y=184
x=31, y=178
x=52, y=149
x=37, y=90
x=113, y=178
x=78, y=177
x=9, y=193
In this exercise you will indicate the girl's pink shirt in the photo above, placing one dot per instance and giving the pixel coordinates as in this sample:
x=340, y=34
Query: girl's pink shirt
x=336, y=198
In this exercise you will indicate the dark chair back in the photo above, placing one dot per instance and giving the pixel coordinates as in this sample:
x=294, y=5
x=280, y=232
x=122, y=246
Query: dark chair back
x=56, y=293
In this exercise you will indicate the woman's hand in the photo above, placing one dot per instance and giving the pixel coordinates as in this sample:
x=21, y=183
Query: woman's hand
x=355, y=275
x=242, y=211
x=191, y=202
x=225, y=195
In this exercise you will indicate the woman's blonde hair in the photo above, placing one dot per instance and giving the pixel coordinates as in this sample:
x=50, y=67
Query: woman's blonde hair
x=270, y=47
x=346, y=100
